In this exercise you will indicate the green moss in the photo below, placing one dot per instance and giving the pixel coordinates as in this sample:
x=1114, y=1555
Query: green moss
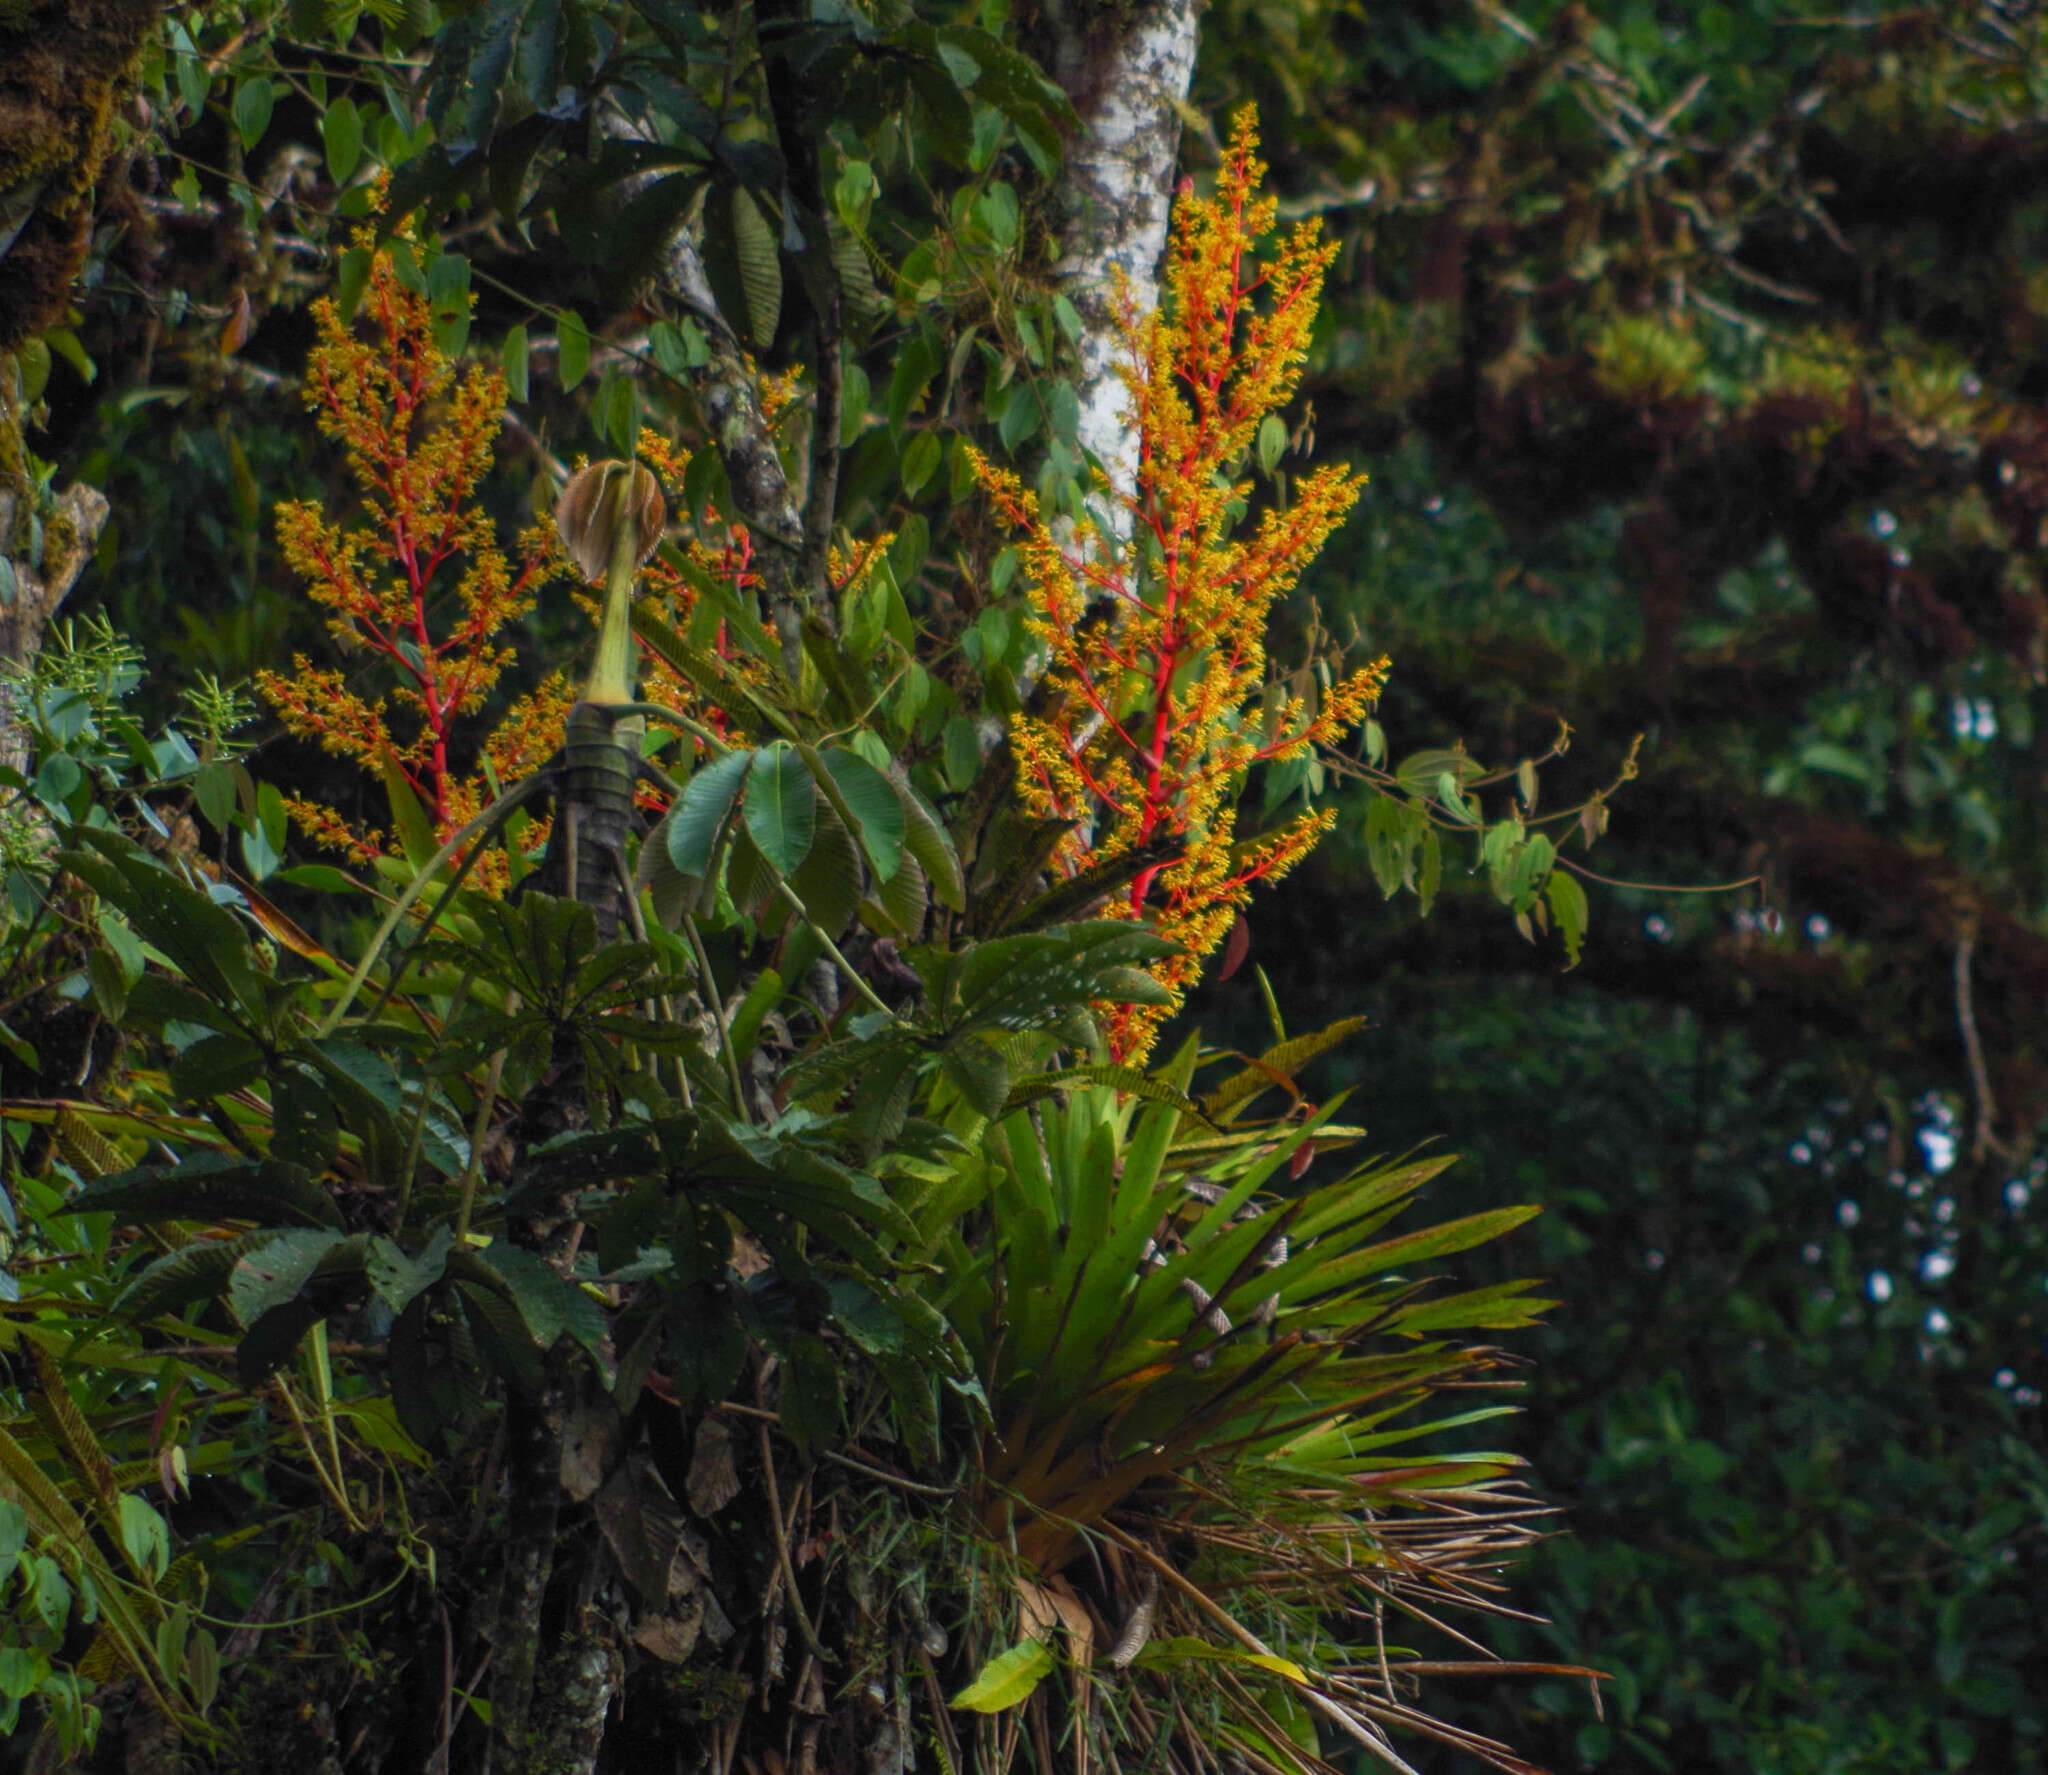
x=1647, y=358
x=697, y=1696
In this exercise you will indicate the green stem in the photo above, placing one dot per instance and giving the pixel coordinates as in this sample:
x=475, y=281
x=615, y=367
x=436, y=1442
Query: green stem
x=479, y=1129
x=831, y=948
x=677, y=719
x=611, y=673
x=710, y=985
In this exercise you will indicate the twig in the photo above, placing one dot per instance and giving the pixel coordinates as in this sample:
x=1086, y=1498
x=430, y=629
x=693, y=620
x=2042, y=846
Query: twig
x=1985, y=1141
x=788, y=1565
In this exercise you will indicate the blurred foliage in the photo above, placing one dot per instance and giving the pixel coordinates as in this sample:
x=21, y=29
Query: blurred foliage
x=1696, y=358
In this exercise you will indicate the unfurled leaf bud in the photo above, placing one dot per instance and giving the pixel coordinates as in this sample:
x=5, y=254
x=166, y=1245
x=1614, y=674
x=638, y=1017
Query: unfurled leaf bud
x=593, y=505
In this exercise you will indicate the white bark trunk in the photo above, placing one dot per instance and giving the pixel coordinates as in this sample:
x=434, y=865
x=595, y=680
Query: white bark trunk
x=1127, y=73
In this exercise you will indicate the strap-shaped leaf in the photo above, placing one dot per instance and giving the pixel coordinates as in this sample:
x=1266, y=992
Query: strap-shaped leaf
x=1278, y=1065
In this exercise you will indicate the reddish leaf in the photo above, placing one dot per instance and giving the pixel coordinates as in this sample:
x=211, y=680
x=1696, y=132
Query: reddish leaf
x=1236, y=946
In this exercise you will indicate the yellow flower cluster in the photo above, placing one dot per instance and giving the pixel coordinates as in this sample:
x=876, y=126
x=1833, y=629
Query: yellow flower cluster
x=421, y=583
x=1157, y=701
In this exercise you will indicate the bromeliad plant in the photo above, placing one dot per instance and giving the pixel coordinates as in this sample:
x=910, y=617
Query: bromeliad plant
x=736, y=1265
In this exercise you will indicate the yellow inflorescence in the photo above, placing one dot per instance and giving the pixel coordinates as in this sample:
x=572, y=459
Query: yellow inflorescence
x=1155, y=715
x=421, y=581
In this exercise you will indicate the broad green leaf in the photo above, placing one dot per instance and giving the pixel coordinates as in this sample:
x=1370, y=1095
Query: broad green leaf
x=254, y=102
x=341, y=130
x=351, y=278
x=781, y=808
x=397, y=1277
x=920, y=462
x=700, y=813
x=215, y=1065
x=979, y=1073
x=272, y=1273
x=1007, y=1679
x=1272, y=443
x=876, y=807
x=145, y=1536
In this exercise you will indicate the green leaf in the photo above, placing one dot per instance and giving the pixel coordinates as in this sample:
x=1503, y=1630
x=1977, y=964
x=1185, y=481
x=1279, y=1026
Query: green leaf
x=781, y=806
x=572, y=349
x=963, y=752
x=272, y=1273
x=1453, y=800
x=1021, y=417
x=342, y=132
x=700, y=814
x=145, y=1536
x=1418, y=773
x=616, y=411
x=830, y=880
x=351, y=278
x=471, y=60
x=876, y=807
x=1163, y=1654
x=304, y=1129
x=254, y=102
x=512, y=358
x=920, y=462
x=199, y=937
x=212, y=1187
x=215, y=1065
x=979, y=1073
x=552, y=1306
x=930, y=843
x=415, y=830
x=397, y=1277
x=1007, y=1679
x=448, y=297
x=214, y=788
x=1392, y=827
x=1272, y=443
x=748, y=263
x=1568, y=906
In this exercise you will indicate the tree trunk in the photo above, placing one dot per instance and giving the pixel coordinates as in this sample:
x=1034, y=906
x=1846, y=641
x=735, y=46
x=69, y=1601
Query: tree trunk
x=1126, y=70
x=42, y=553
